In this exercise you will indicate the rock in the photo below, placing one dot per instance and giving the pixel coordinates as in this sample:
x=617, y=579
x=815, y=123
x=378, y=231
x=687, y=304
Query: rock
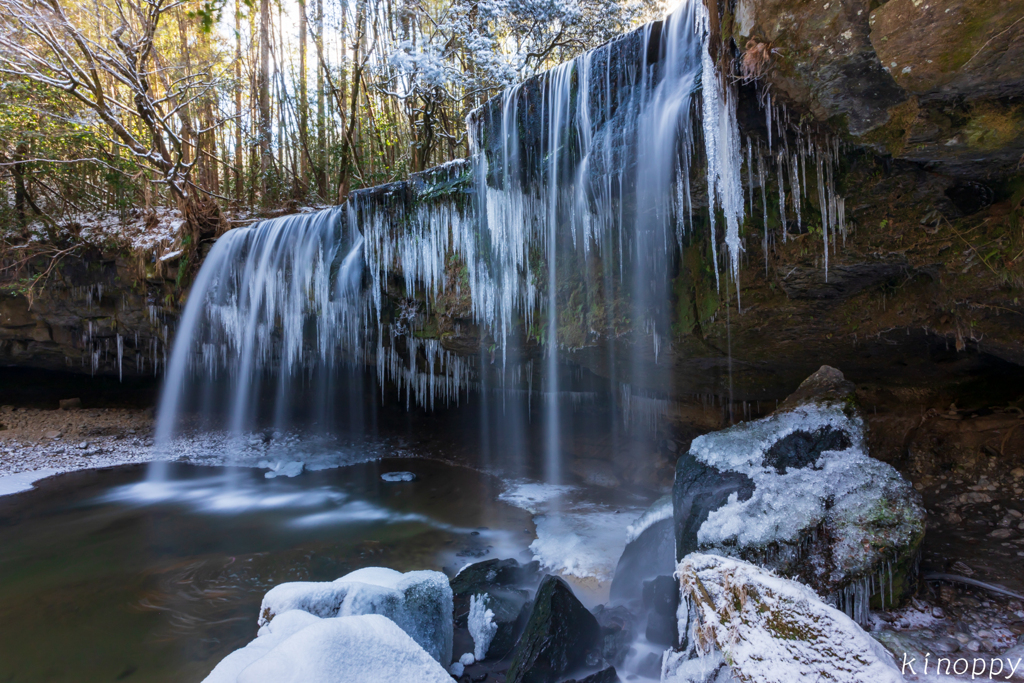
x=501, y=581
x=773, y=629
x=649, y=666
x=617, y=632
x=1017, y=473
x=608, y=675
x=558, y=636
x=52, y=434
x=825, y=62
x=1001, y=533
x=419, y=602
x=71, y=404
x=697, y=491
x=661, y=598
x=843, y=280
x=797, y=492
x=356, y=649
x=649, y=552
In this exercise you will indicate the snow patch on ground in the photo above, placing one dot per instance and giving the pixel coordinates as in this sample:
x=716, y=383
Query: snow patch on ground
x=283, y=455
x=23, y=481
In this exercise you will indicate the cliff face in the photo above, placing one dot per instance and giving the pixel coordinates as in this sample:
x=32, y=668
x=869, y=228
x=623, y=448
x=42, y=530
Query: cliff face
x=938, y=83
x=94, y=313
x=927, y=99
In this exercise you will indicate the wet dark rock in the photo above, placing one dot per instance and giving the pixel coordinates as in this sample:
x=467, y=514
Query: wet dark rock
x=608, y=675
x=801, y=449
x=842, y=281
x=650, y=666
x=650, y=554
x=661, y=598
x=559, y=636
x=970, y=197
x=617, y=632
x=699, y=490
x=504, y=582
x=71, y=404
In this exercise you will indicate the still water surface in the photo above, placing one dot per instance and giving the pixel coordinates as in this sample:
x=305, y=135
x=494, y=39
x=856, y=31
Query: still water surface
x=105, y=576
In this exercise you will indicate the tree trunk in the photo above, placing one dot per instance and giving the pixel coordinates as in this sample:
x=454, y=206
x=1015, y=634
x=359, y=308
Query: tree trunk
x=321, y=129
x=238, y=102
x=266, y=156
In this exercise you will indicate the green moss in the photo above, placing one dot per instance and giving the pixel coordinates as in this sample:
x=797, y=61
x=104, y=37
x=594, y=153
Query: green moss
x=893, y=136
x=992, y=125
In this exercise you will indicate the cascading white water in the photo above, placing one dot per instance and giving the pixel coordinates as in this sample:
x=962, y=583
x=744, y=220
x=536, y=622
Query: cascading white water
x=591, y=160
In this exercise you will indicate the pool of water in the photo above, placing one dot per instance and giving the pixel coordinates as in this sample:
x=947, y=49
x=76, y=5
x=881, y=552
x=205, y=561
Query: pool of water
x=107, y=576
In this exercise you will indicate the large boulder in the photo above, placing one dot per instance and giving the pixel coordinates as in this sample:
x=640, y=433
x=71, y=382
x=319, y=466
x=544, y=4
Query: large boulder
x=650, y=551
x=301, y=648
x=559, y=636
x=808, y=501
x=750, y=625
x=419, y=602
x=502, y=586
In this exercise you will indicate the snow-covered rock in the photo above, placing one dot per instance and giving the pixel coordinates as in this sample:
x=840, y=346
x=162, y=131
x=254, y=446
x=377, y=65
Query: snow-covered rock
x=301, y=648
x=270, y=636
x=420, y=603
x=797, y=492
x=766, y=629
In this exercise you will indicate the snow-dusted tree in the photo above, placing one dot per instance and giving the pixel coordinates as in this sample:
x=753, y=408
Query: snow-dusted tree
x=107, y=57
x=453, y=56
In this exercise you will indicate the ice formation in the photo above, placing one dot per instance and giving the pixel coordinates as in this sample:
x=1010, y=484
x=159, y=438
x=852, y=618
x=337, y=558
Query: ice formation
x=481, y=625
x=770, y=629
x=419, y=602
x=394, y=477
x=659, y=511
x=307, y=649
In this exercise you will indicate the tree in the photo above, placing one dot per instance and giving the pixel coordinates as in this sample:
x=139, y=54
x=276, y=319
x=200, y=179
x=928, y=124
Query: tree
x=141, y=98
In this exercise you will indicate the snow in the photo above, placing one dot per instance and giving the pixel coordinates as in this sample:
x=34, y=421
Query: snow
x=351, y=649
x=481, y=625
x=467, y=659
x=270, y=636
x=24, y=481
x=457, y=669
x=398, y=476
x=774, y=630
x=420, y=602
x=784, y=505
x=659, y=511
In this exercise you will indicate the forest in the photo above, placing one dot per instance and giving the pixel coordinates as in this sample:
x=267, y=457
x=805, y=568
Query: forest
x=225, y=109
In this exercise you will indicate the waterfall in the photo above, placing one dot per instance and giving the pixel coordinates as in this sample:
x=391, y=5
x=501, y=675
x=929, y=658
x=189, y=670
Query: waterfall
x=590, y=162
